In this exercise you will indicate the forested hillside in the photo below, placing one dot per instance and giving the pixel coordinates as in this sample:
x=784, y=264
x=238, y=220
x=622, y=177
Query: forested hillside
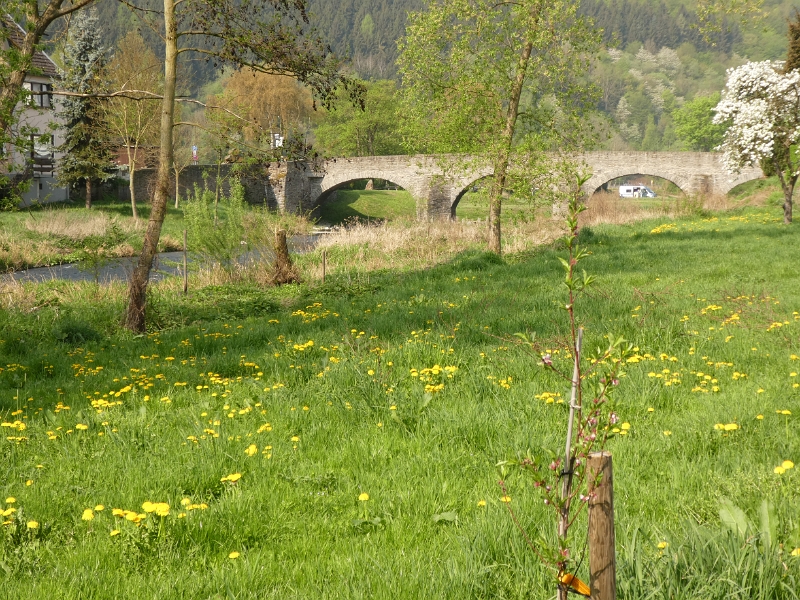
x=366, y=31
x=657, y=76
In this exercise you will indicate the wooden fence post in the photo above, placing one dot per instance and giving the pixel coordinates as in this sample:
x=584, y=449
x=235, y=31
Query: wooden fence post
x=602, y=556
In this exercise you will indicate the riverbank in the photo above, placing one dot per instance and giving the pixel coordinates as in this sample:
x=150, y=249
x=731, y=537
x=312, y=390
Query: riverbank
x=60, y=234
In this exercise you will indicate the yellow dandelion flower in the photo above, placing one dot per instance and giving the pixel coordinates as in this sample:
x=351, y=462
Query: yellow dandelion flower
x=114, y=532
x=505, y=499
x=779, y=470
x=787, y=464
x=251, y=450
x=234, y=555
x=481, y=502
x=99, y=508
x=796, y=552
x=662, y=545
x=33, y=524
x=363, y=497
x=88, y=514
x=10, y=500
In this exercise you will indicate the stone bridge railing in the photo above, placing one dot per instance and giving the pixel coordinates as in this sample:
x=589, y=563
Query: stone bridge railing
x=437, y=193
x=297, y=186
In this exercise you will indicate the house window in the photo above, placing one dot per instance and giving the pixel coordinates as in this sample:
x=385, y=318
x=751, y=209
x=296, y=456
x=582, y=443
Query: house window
x=42, y=154
x=40, y=94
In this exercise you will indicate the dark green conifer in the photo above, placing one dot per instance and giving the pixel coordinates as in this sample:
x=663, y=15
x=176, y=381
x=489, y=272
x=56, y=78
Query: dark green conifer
x=86, y=148
x=793, y=53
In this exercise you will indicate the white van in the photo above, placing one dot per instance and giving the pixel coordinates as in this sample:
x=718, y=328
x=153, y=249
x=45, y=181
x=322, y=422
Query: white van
x=636, y=191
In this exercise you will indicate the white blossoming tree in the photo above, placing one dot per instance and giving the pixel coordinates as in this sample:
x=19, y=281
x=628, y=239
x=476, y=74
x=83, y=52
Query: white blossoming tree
x=761, y=106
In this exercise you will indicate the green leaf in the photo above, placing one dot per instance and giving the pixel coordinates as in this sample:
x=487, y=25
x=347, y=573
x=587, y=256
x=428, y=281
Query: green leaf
x=734, y=518
x=768, y=524
x=448, y=517
x=524, y=337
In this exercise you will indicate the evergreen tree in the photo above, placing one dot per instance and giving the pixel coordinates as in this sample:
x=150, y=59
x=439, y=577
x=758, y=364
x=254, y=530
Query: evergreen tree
x=793, y=52
x=86, y=148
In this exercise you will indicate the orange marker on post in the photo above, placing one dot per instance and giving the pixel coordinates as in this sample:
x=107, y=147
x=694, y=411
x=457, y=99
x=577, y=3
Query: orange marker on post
x=575, y=585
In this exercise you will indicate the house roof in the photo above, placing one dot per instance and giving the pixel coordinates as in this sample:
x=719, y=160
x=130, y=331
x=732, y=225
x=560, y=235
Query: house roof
x=16, y=36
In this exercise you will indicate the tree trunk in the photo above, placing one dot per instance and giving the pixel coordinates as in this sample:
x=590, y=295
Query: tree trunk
x=137, y=289
x=787, y=184
x=216, y=189
x=285, y=271
x=132, y=187
x=88, y=192
x=787, y=206
x=501, y=161
x=9, y=98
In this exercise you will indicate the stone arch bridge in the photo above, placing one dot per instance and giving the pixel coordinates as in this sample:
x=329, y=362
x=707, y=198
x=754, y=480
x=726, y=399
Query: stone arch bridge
x=303, y=186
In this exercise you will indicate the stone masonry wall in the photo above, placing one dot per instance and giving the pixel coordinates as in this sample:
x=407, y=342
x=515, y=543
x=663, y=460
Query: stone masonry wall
x=263, y=187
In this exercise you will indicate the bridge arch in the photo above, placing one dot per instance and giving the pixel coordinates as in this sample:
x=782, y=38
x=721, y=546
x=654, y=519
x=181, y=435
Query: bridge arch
x=465, y=183
x=338, y=179
x=461, y=190
x=324, y=195
x=597, y=180
x=743, y=177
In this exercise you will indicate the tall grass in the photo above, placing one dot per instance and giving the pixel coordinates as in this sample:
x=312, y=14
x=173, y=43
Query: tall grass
x=75, y=226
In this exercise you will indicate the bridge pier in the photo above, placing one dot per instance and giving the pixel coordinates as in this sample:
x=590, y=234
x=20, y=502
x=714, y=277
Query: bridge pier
x=437, y=201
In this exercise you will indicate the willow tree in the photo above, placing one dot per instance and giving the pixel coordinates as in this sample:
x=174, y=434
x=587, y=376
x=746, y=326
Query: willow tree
x=269, y=36
x=498, y=83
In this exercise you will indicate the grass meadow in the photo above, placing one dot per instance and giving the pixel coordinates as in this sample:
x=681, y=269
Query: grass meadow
x=55, y=234
x=342, y=440
x=350, y=205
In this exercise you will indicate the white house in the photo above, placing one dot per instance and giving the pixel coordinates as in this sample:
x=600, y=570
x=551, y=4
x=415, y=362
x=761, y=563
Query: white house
x=36, y=118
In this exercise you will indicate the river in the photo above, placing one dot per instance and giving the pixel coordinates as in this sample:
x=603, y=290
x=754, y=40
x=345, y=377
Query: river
x=167, y=264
